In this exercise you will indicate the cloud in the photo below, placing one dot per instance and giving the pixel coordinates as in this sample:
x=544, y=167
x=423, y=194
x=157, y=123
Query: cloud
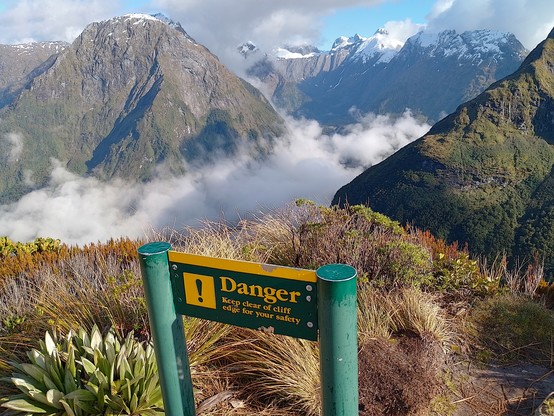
x=304, y=164
x=222, y=25
x=15, y=143
x=529, y=20
x=403, y=29
x=36, y=20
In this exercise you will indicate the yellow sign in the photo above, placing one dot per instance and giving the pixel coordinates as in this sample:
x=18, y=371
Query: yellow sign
x=199, y=290
x=252, y=295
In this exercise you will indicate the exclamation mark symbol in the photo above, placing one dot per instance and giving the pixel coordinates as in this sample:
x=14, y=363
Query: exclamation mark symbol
x=199, y=287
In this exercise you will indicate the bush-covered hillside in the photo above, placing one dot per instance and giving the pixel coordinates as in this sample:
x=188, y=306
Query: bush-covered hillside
x=482, y=175
x=74, y=334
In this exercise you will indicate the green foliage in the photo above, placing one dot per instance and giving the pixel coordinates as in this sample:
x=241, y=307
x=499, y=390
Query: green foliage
x=513, y=327
x=457, y=273
x=83, y=374
x=481, y=176
x=406, y=262
x=39, y=245
x=12, y=322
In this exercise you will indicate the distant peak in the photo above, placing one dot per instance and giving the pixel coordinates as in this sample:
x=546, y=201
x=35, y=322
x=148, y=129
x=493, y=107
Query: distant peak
x=247, y=48
x=138, y=18
x=381, y=31
x=160, y=17
x=345, y=42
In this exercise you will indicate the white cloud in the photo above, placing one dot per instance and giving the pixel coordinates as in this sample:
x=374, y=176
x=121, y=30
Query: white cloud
x=305, y=164
x=15, y=143
x=36, y=20
x=402, y=30
x=222, y=25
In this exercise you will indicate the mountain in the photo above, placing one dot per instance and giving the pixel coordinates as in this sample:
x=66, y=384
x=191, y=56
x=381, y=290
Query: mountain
x=431, y=73
x=129, y=94
x=19, y=64
x=483, y=175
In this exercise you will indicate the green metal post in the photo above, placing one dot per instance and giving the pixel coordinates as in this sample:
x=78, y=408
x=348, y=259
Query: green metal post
x=167, y=331
x=338, y=339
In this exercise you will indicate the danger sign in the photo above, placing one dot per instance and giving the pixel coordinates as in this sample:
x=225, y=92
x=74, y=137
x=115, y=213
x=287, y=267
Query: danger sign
x=252, y=295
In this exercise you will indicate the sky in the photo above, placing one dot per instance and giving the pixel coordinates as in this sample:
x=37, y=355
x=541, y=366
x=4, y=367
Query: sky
x=307, y=163
x=223, y=24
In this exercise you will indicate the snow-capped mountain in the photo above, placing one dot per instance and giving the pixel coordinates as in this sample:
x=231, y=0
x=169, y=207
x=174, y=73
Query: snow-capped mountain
x=381, y=45
x=430, y=73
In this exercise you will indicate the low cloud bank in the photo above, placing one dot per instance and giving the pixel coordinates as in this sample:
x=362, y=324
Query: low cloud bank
x=305, y=164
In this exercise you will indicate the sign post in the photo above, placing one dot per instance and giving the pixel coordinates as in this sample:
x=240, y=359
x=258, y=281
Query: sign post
x=283, y=300
x=338, y=340
x=167, y=331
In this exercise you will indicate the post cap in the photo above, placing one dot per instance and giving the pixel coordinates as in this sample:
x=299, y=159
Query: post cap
x=336, y=272
x=157, y=247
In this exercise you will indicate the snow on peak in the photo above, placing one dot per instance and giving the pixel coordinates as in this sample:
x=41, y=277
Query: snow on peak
x=472, y=43
x=282, y=53
x=137, y=18
x=381, y=45
x=345, y=42
x=247, y=48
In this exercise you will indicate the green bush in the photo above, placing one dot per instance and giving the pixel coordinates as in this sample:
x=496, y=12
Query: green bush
x=84, y=374
x=513, y=327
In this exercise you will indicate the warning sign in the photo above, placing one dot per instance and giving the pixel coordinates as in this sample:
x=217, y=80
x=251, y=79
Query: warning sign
x=199, y=290
x=252, y=295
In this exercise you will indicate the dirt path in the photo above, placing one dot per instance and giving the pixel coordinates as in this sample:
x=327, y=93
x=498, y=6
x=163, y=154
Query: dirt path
x=502, y=390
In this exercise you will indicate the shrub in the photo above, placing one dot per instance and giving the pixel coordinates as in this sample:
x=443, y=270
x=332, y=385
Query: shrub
x=514, y=327
x=84, y=373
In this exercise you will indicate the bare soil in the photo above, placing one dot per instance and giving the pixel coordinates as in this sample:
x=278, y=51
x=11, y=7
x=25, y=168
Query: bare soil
x=402, y=377
x=398, y=377
x=501, y=389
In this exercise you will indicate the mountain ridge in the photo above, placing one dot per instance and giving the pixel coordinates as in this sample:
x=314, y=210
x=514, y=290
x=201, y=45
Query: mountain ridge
x=128, y=94
x=380, y=74
x=483, y=174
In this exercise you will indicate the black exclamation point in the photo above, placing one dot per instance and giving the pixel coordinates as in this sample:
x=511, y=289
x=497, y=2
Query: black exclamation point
x=199, y=287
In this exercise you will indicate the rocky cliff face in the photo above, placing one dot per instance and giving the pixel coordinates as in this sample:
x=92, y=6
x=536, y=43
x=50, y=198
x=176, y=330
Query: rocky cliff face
x=19, y=64
x=129, y=94
x=431, y=74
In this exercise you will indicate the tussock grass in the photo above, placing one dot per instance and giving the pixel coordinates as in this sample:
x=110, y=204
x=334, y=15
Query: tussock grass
x=405, y=311
x=274, y=370
x=375, y=314
x=416, y=312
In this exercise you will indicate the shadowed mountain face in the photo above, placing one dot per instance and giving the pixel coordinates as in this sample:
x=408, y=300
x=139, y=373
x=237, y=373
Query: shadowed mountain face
x=484, y=174
x=129, y=94
x=19, y=64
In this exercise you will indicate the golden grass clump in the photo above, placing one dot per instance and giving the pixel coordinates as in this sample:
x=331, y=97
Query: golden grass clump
x=401, y=312
x=273, y=370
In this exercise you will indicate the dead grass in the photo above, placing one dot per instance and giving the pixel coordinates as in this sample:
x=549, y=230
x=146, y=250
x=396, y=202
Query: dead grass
x=404, y=311
x=274, y=370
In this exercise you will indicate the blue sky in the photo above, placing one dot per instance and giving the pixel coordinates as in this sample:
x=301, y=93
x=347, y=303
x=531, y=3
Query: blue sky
x=365, y=20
